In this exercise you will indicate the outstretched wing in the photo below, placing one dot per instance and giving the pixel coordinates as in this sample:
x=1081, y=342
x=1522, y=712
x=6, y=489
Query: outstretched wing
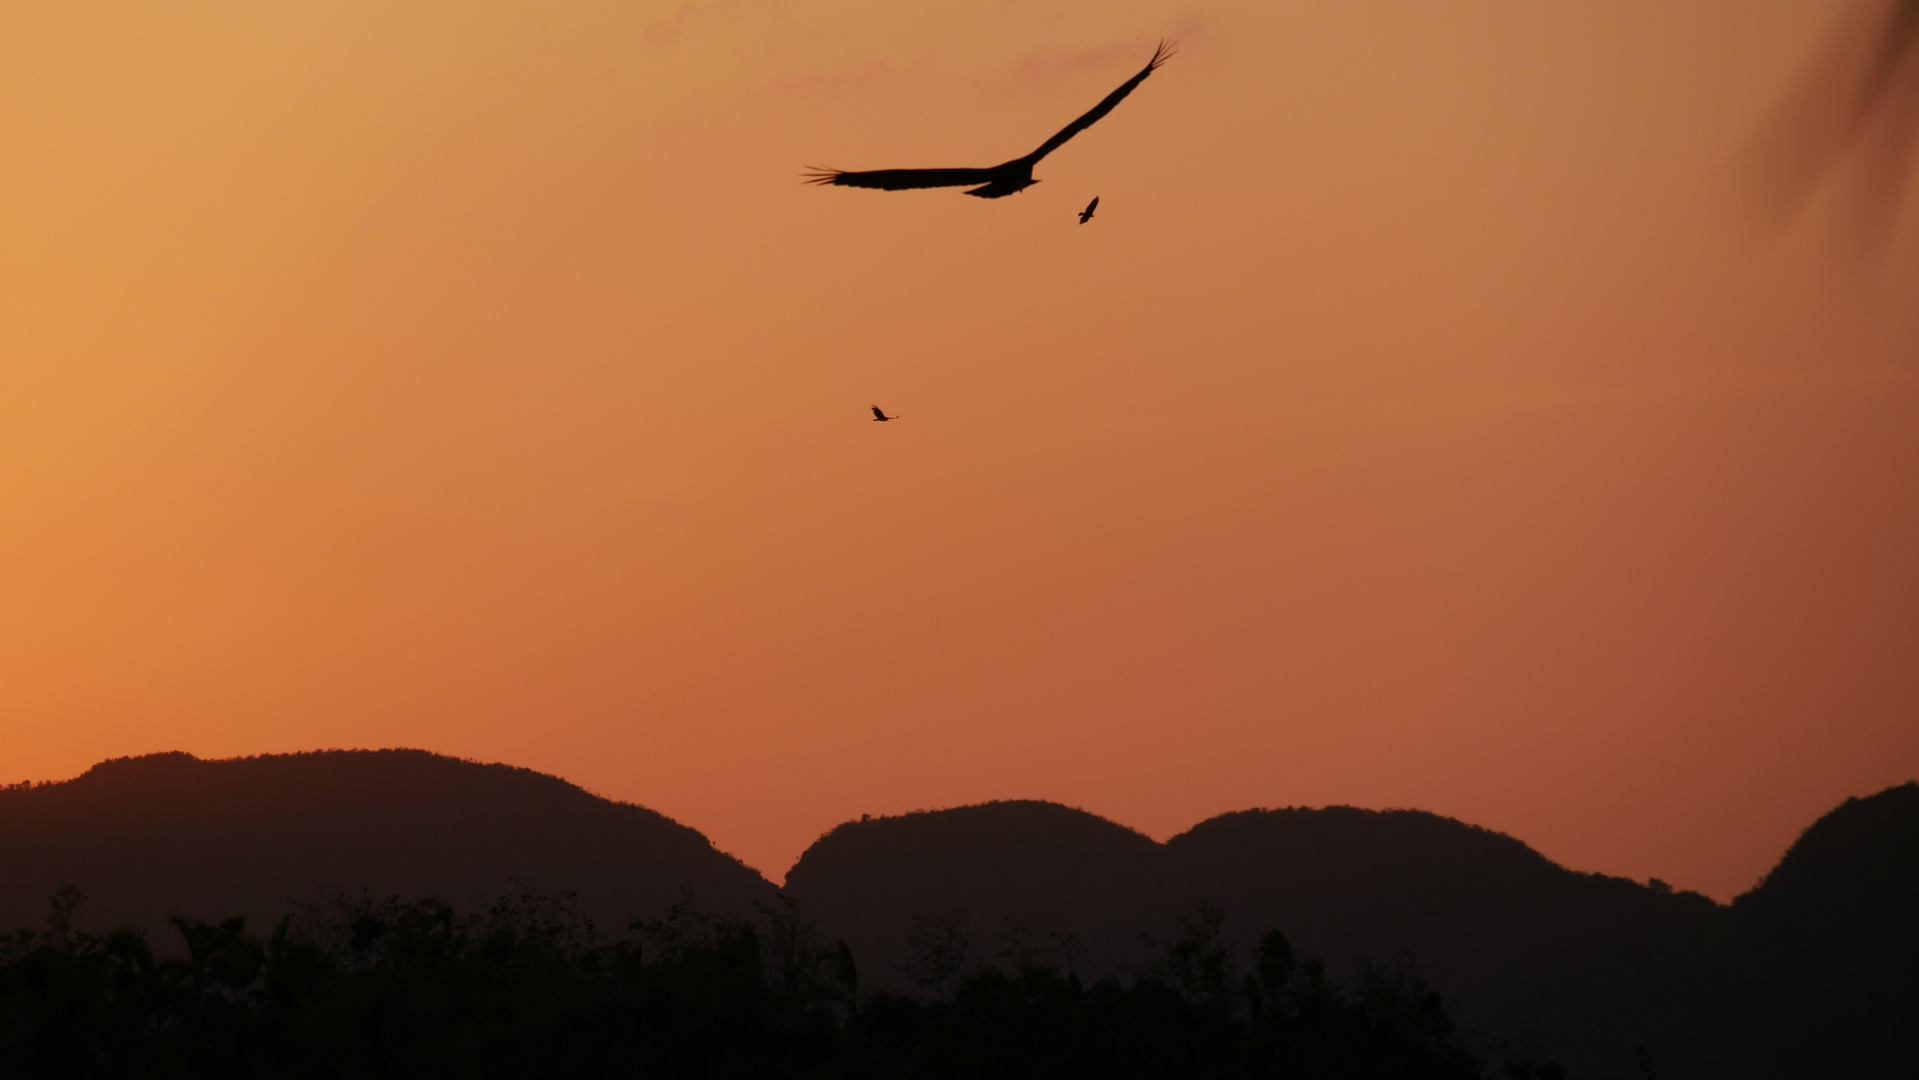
x=877, y=414
x=900, y=179
x=1160, y=56
x=1091, y=206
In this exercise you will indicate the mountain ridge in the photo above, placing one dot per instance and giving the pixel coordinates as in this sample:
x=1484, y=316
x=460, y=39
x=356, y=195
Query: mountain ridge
x=149, y=837
x=1595, y=969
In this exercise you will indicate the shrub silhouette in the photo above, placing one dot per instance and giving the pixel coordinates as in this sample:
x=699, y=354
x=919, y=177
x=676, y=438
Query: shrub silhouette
x=528, y=987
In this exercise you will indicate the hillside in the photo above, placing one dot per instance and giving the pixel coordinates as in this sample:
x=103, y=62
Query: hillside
x=1003, y=875
x=1815, y=967
x=1817, y=971
x=151, y=837
x=1517, y=942
x=1814, y=972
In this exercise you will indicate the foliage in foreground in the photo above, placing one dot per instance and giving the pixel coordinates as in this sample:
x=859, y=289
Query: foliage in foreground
x=526, y=989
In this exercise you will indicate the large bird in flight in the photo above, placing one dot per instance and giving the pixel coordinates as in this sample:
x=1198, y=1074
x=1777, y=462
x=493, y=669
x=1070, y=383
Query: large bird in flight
x=1002, y=179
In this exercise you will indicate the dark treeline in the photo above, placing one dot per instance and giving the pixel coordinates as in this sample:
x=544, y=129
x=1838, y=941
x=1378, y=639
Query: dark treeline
x=528, y=988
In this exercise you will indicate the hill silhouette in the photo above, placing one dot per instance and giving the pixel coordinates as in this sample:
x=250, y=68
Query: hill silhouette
x=148, y=838
x=1815, y=972
x=1611, y=975
x=1000, y=875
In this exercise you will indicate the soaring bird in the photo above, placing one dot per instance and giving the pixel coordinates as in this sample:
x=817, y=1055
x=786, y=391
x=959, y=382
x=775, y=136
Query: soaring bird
x=1002, y=179
x=880, y=417
x=1086, y=215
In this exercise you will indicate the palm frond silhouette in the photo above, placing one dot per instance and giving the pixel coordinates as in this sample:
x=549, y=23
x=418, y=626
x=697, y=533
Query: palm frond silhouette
x=1853, y=118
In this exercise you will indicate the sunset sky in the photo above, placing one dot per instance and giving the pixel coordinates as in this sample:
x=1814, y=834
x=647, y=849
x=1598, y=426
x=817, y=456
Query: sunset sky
x=1427, y=419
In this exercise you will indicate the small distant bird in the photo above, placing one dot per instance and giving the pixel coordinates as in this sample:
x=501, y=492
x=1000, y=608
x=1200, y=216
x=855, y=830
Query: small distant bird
x=1002, y=179
x=1086, y=215
x=880, y=417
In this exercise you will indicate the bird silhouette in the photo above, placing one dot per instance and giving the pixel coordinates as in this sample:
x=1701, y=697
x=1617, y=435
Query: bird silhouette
x=880, y=417
x=1086, y=215
x=1002, y=179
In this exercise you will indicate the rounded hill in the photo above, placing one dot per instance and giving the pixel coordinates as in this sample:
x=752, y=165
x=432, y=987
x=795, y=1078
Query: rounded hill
x=148, y=838
x=1003, y=875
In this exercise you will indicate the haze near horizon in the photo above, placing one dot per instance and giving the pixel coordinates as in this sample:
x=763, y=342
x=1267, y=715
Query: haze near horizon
x=1421, y=422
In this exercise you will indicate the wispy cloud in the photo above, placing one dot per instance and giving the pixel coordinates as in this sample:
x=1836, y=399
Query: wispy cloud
x=1044, y=69
x=668, y=29
x=822, y=83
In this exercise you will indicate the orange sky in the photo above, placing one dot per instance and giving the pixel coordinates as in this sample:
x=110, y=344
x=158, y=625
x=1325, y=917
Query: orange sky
x=1420, y=423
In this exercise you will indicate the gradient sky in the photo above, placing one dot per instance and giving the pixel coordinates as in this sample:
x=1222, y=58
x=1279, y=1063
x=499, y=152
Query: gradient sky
x=1423, y=421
